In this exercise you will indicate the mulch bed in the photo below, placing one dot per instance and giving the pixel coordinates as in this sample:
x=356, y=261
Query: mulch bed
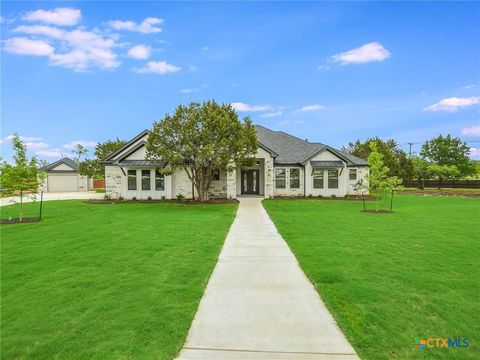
x=186, y=202
x=372, y=211
x=17, y=220
x=348, y=197
x=440, y=192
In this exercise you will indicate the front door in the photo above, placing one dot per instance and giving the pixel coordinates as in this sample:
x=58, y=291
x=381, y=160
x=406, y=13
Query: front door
x=250, y=181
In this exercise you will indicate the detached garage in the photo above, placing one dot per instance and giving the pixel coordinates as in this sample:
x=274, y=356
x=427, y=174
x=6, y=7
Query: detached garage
x=63, y=176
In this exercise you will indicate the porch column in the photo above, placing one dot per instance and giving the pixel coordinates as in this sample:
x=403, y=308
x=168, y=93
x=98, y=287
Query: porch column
x=232, y=184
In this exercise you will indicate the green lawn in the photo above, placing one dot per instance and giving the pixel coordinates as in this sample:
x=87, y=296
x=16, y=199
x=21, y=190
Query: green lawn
x=106, y=281
x=389, y=278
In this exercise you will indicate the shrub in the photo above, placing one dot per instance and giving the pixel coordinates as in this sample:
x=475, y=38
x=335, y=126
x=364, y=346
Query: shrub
x=120, y=198
x=334, y=197
x=149, y=198
x=163, y=197
x=134, y=198
x=181, y=198
x=107, y=197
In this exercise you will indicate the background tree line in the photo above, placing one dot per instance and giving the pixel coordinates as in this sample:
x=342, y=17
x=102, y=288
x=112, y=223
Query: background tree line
x=441, y=158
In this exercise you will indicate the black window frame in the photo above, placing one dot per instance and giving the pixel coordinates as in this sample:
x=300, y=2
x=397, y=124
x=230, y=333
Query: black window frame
x=333, y=180
x=355, y=173
x=321, y=173
x=132, y=179
x=284, y=181
x=296, y=181
x=215, y=174
x=159, y=179
x=146, y=180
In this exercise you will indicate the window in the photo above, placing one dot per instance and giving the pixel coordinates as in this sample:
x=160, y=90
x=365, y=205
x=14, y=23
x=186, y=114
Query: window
x=318, y=178
x=352, y=174
x=294, y=178
x=132, y=179
x=215, y=175
x=333, y=179
x=159, y=181
x=145, y=179
x=280, y=178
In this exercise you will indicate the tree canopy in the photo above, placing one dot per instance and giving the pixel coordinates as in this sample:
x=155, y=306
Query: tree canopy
x=448, y=151
x=394, y=158
x=93, y=167
x=202, y=137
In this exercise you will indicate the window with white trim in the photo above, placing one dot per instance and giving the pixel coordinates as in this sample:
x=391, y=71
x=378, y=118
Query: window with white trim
x=280, y=178
x=333, y=179
x=159, y=181
x=318, y=178
x=352, y=174
x=132, y=179
x=146, y=180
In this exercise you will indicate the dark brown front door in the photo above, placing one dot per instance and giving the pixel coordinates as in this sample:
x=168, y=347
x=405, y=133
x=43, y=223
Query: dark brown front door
x=250, y=181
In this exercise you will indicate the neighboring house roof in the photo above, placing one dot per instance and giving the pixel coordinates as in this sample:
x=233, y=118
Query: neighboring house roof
x=67, y=161
x=293, y=150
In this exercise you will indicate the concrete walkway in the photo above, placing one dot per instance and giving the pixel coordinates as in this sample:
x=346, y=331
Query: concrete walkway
x=259, y=304
x=54, y=196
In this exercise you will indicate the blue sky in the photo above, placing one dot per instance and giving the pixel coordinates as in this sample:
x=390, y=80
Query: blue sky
x=330, y=72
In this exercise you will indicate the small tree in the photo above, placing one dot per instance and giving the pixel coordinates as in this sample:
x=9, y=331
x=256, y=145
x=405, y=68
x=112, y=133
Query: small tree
x=202, y=137
x=21, y=177
x=94, y=167
x=420, y=170
x=79, y=151
x=379, y=182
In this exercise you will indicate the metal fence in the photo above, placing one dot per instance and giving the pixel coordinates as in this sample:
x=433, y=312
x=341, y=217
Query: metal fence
x=468, y=184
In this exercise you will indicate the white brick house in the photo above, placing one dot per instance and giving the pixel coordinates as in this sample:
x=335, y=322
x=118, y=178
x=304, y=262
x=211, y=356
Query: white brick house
x=285, y=166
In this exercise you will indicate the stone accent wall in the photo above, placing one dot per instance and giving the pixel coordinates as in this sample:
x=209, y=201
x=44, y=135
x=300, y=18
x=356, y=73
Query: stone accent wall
x=181, y=184
x=289, y=191
x=82, y=183
x=269, y=177
x=218, y=188
x=113, y=181
x=231, y=184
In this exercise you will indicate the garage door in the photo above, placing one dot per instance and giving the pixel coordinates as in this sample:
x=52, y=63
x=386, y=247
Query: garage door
x=58, y=183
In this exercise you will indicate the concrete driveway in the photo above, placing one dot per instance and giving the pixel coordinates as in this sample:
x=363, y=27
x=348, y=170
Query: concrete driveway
x=259, y=304
x=54, y=196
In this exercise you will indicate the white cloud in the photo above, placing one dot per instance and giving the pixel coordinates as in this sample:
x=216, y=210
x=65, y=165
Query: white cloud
x=140, y=52
x=472, y=131
x=23, y=138
x=475, y=153
x=25, y=46
x=242, y=107
x=471, y=86
x=158, y=67
x=58, y=16
x=453, y=104
x=80, y=49
x=272, y=114
x=85, y=143
x=52, y=153
x=366, y=53
x=205, y=48
x=34, y=146
x=195, y=89
x=298, y=122
x=307, y=108
x=147, y=26
x=323, y=67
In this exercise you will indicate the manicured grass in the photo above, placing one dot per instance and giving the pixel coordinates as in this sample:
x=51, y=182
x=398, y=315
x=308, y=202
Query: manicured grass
x=388, y=278
x=106, y=281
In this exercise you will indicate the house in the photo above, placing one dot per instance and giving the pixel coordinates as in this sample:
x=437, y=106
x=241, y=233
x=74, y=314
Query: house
x=63, y=176
x=285, y=166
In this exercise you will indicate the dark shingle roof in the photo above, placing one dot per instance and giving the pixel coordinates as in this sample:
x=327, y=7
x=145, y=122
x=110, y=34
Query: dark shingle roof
x=67, y=161
x=140, y=163
x=293, y=150
x=328, y=164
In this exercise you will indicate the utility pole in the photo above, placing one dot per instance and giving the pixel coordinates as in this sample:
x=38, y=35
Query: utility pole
x=410, y=149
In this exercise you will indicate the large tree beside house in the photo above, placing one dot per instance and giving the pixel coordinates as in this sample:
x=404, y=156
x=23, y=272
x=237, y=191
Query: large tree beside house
x=202, y=138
